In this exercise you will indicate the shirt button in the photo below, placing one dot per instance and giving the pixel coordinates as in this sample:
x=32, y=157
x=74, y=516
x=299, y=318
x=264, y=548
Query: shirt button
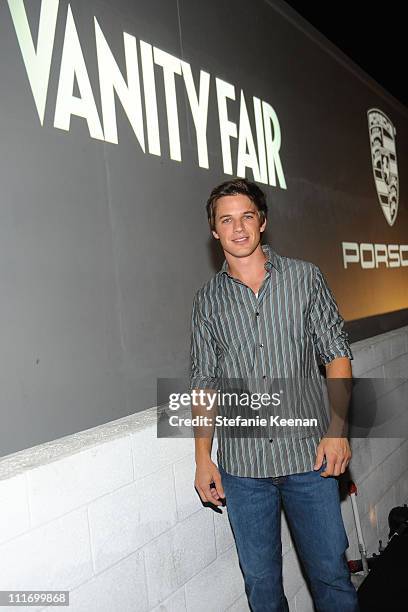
x=270, y=440
x=257, y=314
x=264, y=376
x=261, y=345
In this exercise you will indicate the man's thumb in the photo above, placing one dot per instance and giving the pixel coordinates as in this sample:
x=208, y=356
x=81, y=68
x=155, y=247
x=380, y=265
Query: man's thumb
x=319, y=459
x=218, y=484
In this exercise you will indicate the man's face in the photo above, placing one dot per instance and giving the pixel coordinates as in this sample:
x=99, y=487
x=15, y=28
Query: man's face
x=237, y=225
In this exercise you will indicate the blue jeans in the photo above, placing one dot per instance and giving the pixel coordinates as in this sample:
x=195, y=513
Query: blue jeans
x=312, y=506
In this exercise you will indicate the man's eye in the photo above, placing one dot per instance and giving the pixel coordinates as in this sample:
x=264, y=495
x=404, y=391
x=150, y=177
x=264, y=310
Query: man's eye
x=225, y=220
x=249, y=216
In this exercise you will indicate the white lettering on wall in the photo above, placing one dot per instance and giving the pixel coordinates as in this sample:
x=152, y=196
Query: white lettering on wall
x=228, y=129
x=111, y=81
x=273, y=144
x=246, y=142
x=369, y=255
x=73, y=66
x=171, y=66
x=199, y=109
x=255, y=141
x=37, y=61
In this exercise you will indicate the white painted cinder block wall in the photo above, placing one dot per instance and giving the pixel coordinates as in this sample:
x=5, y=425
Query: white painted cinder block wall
x=111, y=514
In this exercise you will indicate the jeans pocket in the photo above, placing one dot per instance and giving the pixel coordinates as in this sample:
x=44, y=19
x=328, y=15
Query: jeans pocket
x=323, y=466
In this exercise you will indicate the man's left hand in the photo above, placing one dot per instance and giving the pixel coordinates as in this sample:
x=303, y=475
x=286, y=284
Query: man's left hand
x=338, y=455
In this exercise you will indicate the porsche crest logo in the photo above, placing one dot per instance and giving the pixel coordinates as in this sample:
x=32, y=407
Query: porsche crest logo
x=384, y=160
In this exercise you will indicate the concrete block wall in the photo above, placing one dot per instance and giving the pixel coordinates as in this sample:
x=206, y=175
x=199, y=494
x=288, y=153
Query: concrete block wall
x=111, y=513
x=379, y=466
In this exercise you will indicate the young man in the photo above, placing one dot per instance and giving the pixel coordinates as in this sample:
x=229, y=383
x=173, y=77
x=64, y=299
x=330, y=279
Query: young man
x=267, y=317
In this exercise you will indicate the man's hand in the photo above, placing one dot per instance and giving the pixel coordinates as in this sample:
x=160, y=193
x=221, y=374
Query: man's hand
x=206, y=473
x=338, y=455
x=334, y=445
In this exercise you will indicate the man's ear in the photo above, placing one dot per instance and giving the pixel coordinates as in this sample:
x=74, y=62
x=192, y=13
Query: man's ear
x=263, y=226
x=214, y=233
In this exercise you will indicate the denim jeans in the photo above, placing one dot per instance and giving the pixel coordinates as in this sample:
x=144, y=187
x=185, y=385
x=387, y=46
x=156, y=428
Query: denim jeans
x=312, y=506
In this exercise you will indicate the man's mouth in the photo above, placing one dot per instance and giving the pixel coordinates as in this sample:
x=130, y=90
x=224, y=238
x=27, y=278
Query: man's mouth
x=240, y=240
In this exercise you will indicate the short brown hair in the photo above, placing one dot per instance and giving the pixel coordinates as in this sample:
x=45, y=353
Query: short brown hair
x=234, y=187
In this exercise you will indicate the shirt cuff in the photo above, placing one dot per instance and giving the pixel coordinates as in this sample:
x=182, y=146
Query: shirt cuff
x=204, y=382
x=340, y=348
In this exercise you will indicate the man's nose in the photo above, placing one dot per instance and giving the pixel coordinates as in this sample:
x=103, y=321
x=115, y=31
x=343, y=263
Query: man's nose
x=237, y=225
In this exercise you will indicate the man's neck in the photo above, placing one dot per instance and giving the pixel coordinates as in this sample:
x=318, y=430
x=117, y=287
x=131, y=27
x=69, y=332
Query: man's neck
x=247, y=268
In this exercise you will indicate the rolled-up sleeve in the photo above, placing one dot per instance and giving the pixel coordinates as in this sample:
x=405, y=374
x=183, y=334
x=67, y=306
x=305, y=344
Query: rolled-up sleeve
x=203, y=353
x=329, y=337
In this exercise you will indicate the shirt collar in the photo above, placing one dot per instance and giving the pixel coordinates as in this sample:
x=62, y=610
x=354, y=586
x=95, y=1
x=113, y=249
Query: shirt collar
x=273, y=259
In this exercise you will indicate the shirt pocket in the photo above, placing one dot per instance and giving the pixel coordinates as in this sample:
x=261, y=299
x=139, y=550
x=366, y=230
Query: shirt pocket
x=231, y=329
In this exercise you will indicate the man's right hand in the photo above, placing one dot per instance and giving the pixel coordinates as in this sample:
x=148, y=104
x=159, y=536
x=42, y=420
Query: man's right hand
x=206, y=473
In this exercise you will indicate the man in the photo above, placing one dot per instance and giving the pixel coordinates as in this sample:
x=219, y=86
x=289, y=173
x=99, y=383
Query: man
x=266, y=317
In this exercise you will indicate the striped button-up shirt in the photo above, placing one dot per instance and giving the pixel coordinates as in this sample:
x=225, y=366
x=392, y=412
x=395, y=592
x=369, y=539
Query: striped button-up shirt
x=284, y=333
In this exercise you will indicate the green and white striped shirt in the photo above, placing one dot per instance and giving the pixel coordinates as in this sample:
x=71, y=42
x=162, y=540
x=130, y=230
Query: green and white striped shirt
x=283, y=334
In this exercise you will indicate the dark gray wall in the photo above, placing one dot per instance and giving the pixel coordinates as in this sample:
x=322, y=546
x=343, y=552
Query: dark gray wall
x=103, y=245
